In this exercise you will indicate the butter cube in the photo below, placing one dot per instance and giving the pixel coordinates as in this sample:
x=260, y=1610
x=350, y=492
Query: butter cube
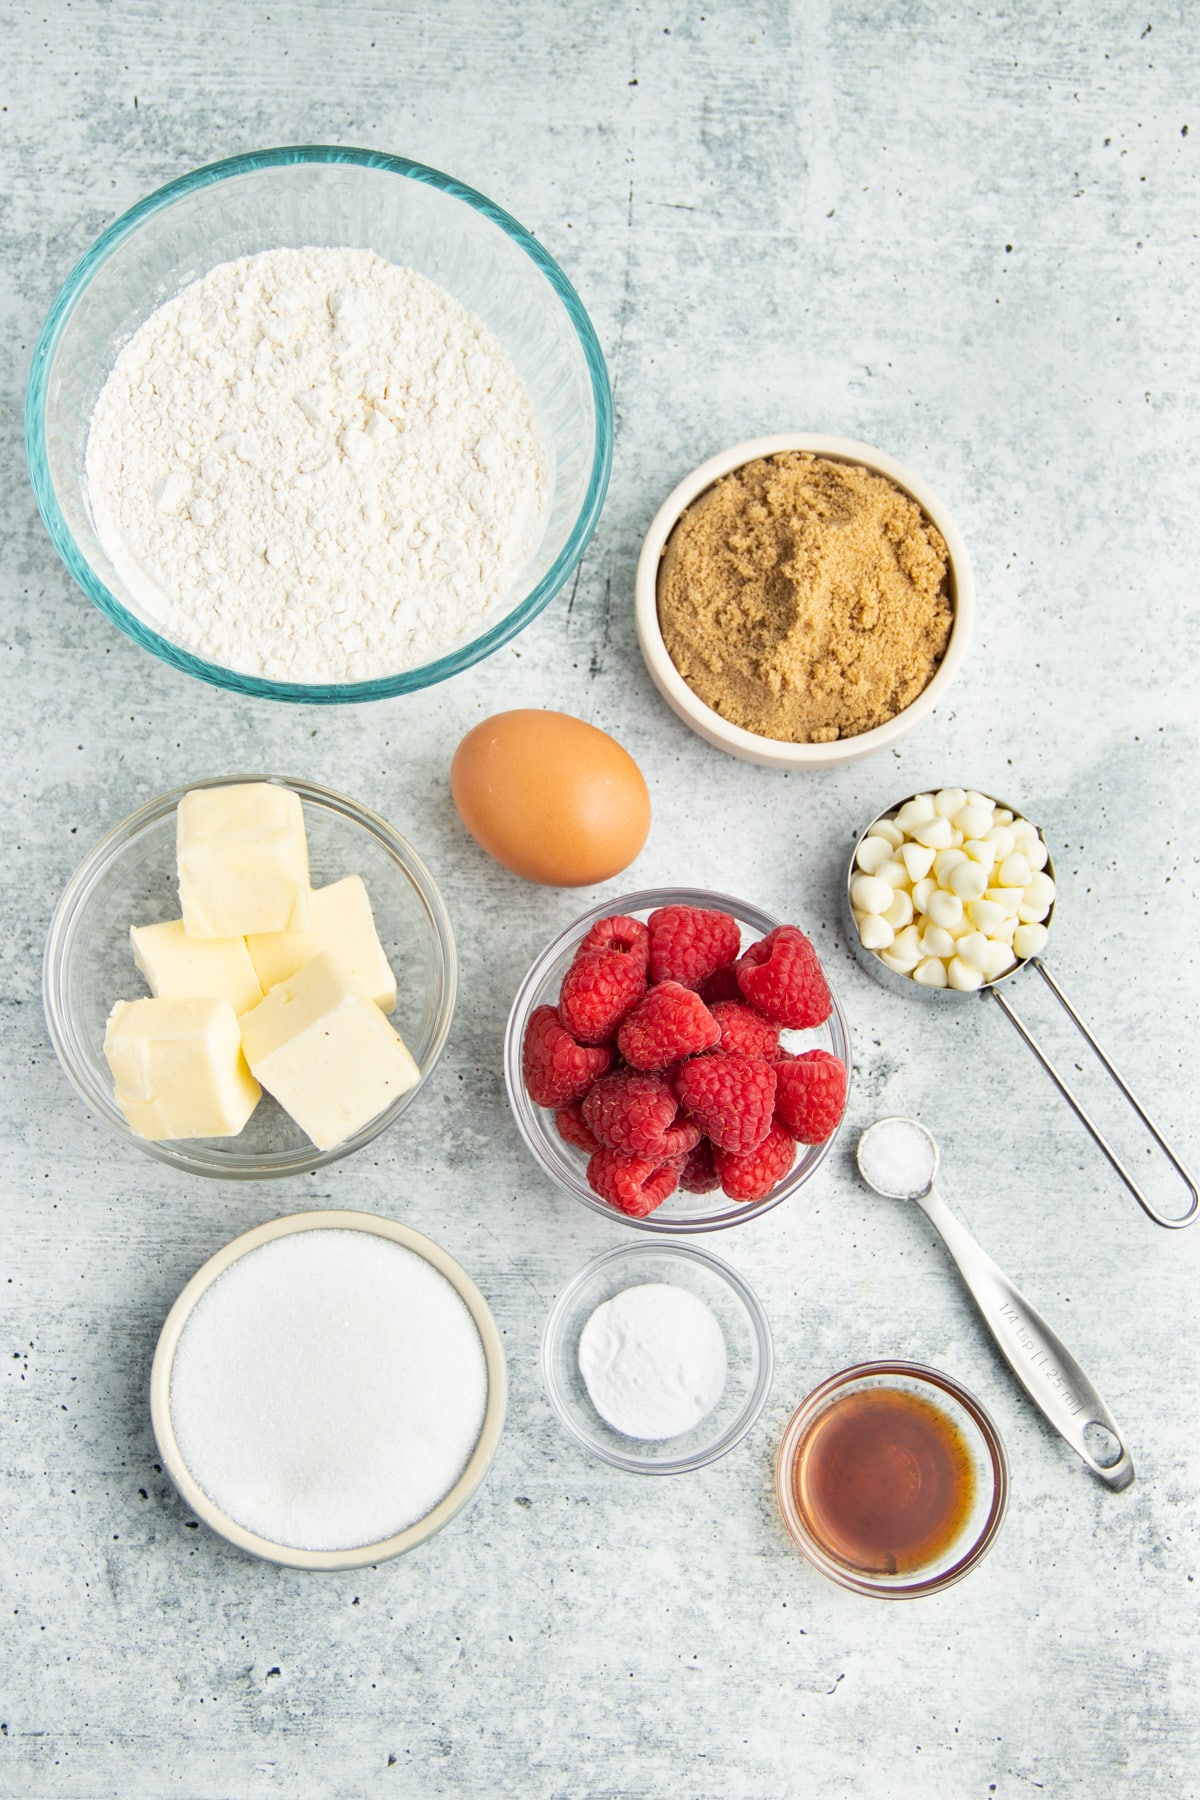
x=179, y=967
x=243, y=860
x=178, y=1068
x=326, y=1052
x=342, y=925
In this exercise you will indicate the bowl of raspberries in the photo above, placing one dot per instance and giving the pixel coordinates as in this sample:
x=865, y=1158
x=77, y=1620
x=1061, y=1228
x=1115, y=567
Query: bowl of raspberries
x=678, y=1058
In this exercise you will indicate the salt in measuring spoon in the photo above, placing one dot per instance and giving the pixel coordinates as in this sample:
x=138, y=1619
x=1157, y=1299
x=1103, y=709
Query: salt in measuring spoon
x=898, y=1158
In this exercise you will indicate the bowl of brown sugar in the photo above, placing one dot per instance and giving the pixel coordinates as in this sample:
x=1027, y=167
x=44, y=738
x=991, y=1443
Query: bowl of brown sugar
x=803, y=600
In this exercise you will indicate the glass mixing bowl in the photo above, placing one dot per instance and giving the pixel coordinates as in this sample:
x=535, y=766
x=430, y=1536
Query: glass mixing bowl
x=680, y=1212
x=129, y=879
x=321, y=195
x=749, y=1357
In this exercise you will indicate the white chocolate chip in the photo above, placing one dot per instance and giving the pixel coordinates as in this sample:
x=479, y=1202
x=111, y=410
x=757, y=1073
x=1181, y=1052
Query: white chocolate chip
x=894, y=873
x=935, y=834
x=875, y=932
x=1000, y=960
x=1029, y=940
x=898, y=963
x=944, y=862
x=980, y=851
x=871, y=852
x=1005, y=931
x=900, y=912
x=964, y=976
x=870, y=895
x=918, y=859
x=973, y=949
x=950, y=801
x=931, y=972
x=936, y=941
x=1003, y=816
x=1007, y=898
x=921, y=892
x=1039, y=890
x=945, y=909
x=916, y=811
x=968, y=880
x=986, y=916
x=1002, y=841
x=974, y=819
x=889, y=831
x=975, y=798
x=1035, y=852
x=908, y=943
x=1014, y=871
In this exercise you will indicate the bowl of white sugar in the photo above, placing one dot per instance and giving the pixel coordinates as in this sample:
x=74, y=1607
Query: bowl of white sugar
x=319, y=424
x=328, y=1390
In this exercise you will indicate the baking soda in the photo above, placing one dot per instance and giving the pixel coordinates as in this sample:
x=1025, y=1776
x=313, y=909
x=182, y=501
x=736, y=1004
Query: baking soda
x=328, y=1389
x=315, y=466
x=653, y=1360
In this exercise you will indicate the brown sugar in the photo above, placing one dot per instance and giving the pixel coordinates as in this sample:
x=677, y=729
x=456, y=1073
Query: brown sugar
x=805, y=599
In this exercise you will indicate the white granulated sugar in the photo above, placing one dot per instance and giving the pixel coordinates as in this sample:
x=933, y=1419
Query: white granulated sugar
x=653, y=1360
x=328, y=1389
x=314, y=466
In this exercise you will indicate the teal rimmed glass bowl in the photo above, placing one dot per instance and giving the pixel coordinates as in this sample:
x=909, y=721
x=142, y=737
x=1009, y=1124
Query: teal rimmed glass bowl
x=326, y=196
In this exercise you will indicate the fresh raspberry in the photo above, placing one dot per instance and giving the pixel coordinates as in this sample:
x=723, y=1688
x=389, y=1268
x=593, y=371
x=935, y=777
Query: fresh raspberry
x=690, y=943
x=621, y=933
x=572, y=1127
x=751, y=1177
x=810, y=1095
x=782, y=976
x=723, y=985
x=699, y=1172
x=731, y=1098
x=638, y=1115
x=668, y=1023
x=633, y=1184
x=744, y=1029
x=597, y=991
x=555, y=1067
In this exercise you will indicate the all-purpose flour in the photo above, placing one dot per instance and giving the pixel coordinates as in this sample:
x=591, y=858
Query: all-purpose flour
x=315, y=466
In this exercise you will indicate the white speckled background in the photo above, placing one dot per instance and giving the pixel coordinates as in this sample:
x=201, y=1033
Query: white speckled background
x=967, y=235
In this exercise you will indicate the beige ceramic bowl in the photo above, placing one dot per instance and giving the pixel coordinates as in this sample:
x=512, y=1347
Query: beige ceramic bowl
x=772, y=752
x=451, y=1503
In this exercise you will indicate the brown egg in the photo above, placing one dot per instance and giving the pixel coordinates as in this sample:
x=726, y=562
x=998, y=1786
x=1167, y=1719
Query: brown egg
x=552, y=798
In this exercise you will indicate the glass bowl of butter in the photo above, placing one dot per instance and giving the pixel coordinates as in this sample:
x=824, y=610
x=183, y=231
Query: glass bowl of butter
x=295, y=1009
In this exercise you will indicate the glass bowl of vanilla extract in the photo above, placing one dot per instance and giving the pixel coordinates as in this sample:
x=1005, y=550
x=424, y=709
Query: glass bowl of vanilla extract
x=892, y=1479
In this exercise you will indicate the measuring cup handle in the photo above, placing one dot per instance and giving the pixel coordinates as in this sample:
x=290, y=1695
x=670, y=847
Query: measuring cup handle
x=1036, y=1355
x=1085, y=1117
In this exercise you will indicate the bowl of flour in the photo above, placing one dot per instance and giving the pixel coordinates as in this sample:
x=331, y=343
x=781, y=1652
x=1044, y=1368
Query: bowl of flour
x=319, y=424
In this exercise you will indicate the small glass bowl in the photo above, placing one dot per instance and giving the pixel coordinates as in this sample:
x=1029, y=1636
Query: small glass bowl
x=129, y=879
x=681, y=1212
x=323, y=196
x=749, y=1356
x=977, y=1531
x=450, y=1504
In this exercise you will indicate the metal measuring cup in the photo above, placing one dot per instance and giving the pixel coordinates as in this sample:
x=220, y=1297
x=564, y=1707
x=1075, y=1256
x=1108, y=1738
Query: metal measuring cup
x=991, y=989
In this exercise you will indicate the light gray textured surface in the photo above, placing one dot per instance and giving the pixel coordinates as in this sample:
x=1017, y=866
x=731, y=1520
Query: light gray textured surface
x=967, y=235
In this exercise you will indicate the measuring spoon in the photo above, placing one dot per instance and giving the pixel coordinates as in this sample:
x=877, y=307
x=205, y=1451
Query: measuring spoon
x=1037, y=1357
